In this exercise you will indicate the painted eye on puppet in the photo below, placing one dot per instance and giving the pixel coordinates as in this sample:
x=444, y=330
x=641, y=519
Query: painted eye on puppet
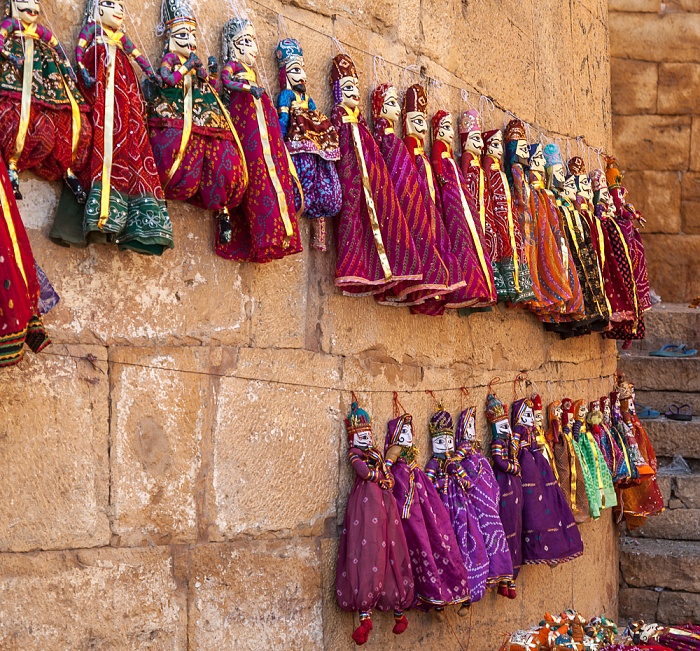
x=419, y=124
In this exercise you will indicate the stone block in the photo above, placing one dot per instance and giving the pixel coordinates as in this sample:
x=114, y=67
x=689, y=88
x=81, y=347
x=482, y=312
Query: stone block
x=691, y=6
x=690, y=217
x=662, y=373
x=672, y=322
x=652, y=142
x=685, y=437
x=91, y=599
x=638, y=604
x=648, y=6
x=159, y=419
x=695, y=145
x=255, y=596
x=687, y=490
x=665, y=484
x=678, y=608
x=634, y=85
x=655, y=37
x=657, y=195
x=671, y=564
x=54, y=460
x=275, y=449
x=672, y=524
x=679, y=85
x=690, y=186
x=674, y=277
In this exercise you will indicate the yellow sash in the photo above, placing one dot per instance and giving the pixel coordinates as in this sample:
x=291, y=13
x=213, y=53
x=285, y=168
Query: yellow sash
x=4, y=201
x=186, y=128
x=26, y=106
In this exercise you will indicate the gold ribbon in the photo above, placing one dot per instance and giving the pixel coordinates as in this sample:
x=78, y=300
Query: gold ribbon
x=472, y=227
x=573, y=479
x=601, y=266
x=272, y=170
x=351, y=119
x=108, y=141
x=511, y=230
x=186, y=128
x=26, y=105
x=7, y=215
x=429, y=175
x=232, y=128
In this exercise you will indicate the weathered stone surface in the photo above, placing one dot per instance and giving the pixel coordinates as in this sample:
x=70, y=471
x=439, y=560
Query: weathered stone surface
x=672, y=323
x=662, y=373
x=687, y=490
x=635, y=84
x=691, y=6
x=672, y=524
x=653, y=37
x=648, y=563
x=255, y=596
x=690, y=217
x=275, y=450
x=54, y=474
x=657, y=195
x=679, y=84
x=678, y=608
x=660, y=400
x=674, y=276
x=650, y=6
x=91, y=599
x=638, y=604
x=158, y=421
x=665, y=484
x=652, y=142
x=695, y=145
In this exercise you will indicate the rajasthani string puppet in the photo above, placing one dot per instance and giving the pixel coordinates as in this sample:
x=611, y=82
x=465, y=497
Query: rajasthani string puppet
x=624, y=436
x=539, y=434
x=264, y=227
x=484, y=496
x=41, y=108
x=645, y=499
x=584, y=246
x=475, y=179
x=439, y=573
x=505, y=449
x=125, y=204
x=622, y=471
x=374, y=244
x=20, y=319
x=625, y=217
x=311, y=140
x=596, y=429
x=576, y=418
x=568, y=465
x=509, y=256
x=195, y=145
x=550, y=256
x=415, y=128
x=462, y=221
x=453, y=485
x=374, y=568
x=386, y=111
x=618, y=268
x=573, y=314
x=550, y=534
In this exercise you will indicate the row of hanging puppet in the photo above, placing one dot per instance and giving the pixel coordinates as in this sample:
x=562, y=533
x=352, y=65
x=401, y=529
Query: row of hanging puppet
x=410, y=230
x=425, y=539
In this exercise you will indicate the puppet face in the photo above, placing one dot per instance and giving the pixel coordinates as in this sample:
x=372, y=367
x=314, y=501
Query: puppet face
x=296, y=76
x=522, y=154
x=245, y=45
x=569, y=188
x=527, y=417
x=539, y=418
x=406, y=435
x=446, y=130
x=503, y=429
x=584, y=187
x=557, y=176
x=391, y=109
x=350, y=91
x=474, y=143
x=558, y=412
x=363, y=439
x=26, y=10
x=110, y=13
x=183, y=39
x=443, y=444
x=495, y=147
x=582, y=411
x=416, y=124
x=537, y=160
x=595, y=405
x=471, y=429
x=607, y=412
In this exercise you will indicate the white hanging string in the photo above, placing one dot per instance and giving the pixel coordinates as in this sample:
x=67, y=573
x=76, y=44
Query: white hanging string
x=412, y=69
x=138, y=37
x=282, y=31
x=486, y=108
x=379, y=71
x=506, y=115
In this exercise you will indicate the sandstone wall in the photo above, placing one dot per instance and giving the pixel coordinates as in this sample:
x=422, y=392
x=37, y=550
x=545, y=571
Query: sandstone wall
x=152, y=500
x=656, y=125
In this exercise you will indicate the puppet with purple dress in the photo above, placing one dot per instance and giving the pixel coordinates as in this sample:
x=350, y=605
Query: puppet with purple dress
x=454, y=485
x=439, y=573
x=550, y=534
x=505, y=448
x=374, y=244
x=311, y=140
x=374, y=567
x=264, y=227
x=485, y=497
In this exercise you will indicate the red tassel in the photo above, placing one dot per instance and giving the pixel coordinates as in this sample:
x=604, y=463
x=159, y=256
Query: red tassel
x=361, y=633
x=401, y=625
